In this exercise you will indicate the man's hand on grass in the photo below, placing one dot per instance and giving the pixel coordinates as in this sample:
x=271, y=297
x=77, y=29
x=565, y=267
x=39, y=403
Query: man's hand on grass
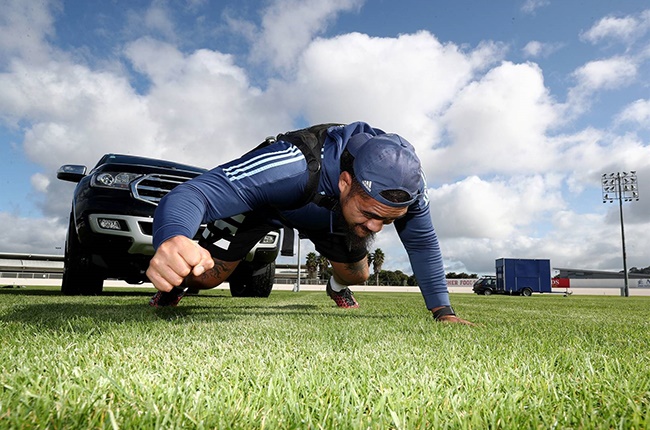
x=447, y=316
x=454, y=319
x=175, y=259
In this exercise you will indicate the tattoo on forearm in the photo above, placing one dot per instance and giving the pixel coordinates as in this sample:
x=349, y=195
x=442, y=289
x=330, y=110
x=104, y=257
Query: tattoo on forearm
x=217, y=274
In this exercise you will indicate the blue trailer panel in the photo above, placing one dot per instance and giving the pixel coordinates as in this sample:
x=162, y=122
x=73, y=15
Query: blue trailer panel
x=523, y=276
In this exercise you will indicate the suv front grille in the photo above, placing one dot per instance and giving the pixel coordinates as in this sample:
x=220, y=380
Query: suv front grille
x=151, y=188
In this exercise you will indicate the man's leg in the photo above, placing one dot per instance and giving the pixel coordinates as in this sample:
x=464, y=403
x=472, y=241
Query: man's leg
x=349, y=264
x=351, y=273
x=346, y=274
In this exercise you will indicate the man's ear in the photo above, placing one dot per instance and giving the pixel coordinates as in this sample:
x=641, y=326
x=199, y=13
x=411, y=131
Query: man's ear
x=345, y=183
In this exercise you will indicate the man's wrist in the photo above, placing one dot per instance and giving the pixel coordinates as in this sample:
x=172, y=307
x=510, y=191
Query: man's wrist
x=442, y=311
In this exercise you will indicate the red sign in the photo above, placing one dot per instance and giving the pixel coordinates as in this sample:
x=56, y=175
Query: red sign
x=560, y=283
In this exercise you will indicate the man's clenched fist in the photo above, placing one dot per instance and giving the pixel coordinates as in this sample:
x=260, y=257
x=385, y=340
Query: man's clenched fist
x=175, y=259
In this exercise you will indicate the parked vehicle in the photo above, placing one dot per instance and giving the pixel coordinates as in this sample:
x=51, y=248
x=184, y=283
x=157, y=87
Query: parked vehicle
x=485, y=285
x=516, y=276
x=110, y=228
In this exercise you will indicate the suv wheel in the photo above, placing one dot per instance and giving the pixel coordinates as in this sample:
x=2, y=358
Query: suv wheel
x=79, y=277
x=487, y=292
x=251, y=280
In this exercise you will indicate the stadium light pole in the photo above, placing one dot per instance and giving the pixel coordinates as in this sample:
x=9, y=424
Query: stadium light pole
x=621, y=186
x=296, y=286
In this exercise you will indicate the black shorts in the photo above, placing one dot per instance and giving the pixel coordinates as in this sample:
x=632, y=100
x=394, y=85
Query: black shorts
x=232, y=238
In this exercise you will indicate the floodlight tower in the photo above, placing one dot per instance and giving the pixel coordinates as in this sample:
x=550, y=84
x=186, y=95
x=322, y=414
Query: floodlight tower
x=621, y=186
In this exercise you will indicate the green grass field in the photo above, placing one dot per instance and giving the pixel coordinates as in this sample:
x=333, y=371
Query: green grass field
x=295, y=361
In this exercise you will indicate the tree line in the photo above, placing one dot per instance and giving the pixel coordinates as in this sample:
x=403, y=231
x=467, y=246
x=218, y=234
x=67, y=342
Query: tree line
x=318, y=267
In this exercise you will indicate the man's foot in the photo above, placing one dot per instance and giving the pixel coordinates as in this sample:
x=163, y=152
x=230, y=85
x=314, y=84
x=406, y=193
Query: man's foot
x=162, y=299
x=343, y=298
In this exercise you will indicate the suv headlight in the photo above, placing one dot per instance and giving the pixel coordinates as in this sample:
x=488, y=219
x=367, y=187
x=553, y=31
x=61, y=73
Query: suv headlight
x=268, y=239
x=119, y=180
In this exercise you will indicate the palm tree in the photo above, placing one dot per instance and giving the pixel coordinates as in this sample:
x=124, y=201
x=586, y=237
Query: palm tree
x=312, y=265
x=323, y=264
x=377, y=261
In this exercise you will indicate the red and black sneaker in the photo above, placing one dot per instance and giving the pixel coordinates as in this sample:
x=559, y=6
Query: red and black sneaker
x=162, y=299
x=343, y=298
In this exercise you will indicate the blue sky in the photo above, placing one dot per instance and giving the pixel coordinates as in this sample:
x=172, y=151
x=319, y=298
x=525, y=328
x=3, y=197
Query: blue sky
x=515, y=107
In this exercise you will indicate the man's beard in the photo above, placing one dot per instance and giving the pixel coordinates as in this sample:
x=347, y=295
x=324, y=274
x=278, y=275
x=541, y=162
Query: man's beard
x=357, y=242
x=353, y=240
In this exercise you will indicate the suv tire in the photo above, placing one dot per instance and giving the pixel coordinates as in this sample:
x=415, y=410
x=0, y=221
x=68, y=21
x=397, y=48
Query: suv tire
x=79, y=278
x=250, y=280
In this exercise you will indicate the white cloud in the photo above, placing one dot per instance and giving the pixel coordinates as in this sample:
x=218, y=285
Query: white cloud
x=597, y=75
x=480, y=209
x=24, y=27
x=75, y=113
x=289, y=26
x=536, y=49
x=592, y=153
x=626, y=29
x=606, y=74
x=530, y=6
x=533, y=48
x=40, y=182
x=200, y=109
x=579, y=240
x=495, y=129
x=203, y=105
x=356, y=77
x=157, y=18
x=196, y=4
x=31, y=235
x=637, y=112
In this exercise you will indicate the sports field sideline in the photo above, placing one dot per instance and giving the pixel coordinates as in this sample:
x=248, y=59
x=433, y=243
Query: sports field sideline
x=307, y=287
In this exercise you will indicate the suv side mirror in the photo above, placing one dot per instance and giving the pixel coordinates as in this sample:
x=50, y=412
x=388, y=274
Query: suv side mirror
x=71, y=172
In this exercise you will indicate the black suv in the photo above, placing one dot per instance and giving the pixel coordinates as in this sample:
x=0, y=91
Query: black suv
x=485, y=285
x=110, y=231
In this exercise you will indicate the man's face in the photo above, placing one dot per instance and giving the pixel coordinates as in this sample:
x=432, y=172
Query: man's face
x=364, y=215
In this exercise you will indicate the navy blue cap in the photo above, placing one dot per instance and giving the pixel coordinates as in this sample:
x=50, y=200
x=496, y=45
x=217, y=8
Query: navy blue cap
x=386, y=162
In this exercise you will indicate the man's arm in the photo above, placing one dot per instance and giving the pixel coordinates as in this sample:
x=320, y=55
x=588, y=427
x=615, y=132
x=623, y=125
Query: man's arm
x=272, y=175
x=421, y=243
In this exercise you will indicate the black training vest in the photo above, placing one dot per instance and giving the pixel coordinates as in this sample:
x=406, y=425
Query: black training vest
x=310, y=141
